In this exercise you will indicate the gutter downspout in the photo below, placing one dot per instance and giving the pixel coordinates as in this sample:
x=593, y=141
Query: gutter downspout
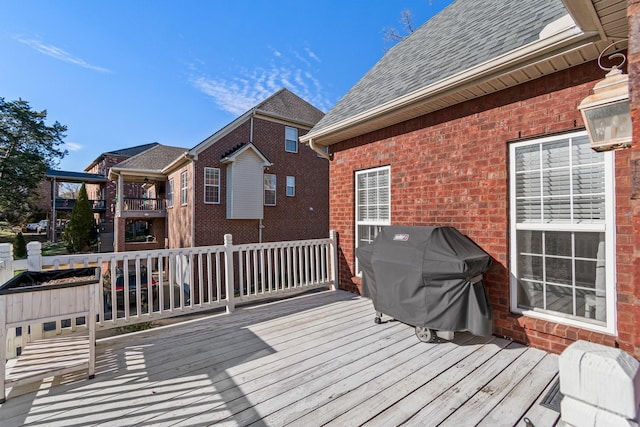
x=260, y=225
x=318, y=150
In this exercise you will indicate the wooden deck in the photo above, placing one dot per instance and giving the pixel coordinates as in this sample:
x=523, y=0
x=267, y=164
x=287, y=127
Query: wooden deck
x=316, y=359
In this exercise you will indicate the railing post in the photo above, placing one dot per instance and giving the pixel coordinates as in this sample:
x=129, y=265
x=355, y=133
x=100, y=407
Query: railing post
x=6, y=262
x=34, y=256
x=229, y=272
x=333, y=257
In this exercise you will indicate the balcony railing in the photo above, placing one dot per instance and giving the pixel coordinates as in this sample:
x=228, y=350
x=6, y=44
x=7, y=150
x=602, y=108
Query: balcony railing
x=142, y=286
x=68, y=204
x=134, y=204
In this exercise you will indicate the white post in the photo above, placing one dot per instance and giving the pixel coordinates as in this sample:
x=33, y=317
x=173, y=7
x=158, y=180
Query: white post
x=601, y=386
x=333, y=259
x=6, y=262
x=34, y=256
x=229, y=272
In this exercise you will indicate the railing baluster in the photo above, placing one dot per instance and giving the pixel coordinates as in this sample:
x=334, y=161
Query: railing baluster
x=200, y=280
x=240, y=274
x=161, y=284
x=261, y=269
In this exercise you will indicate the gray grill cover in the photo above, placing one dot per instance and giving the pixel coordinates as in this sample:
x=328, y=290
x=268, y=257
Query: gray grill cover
x=429, y=277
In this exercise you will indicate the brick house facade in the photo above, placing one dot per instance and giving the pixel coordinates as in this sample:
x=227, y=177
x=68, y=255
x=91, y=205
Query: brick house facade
x=303, y=214
x=451, y=159
x=198, y=195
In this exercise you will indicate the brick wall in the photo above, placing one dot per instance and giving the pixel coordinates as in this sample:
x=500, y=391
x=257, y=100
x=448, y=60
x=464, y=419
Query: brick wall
x=179, y=217
x=304, y=216
x=451, y=168
x=629, y=217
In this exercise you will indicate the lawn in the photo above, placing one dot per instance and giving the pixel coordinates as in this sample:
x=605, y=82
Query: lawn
x=8, y=233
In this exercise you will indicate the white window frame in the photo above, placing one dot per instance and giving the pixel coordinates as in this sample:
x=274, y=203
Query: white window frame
x=275, y=192
x=373, y=223
x=207, y=185
x=291, y=185
x=184, y=188
x=170, y=193
x=607, y=227
x=287, y=140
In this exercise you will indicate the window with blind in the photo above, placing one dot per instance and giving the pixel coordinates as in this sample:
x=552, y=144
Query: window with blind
x=373, y=204
x=269, y=189
x=170, y=193
x=212, y=185
x=290, y=139
x=183, y=188
x=562, y=231
x=291, y=186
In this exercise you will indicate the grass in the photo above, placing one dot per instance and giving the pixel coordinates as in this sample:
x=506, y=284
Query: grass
x=8, y=234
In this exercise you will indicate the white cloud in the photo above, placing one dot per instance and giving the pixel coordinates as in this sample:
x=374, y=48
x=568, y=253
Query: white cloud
x=312, y=55
x=244, y=88
x=60, y=54
x=72, y=146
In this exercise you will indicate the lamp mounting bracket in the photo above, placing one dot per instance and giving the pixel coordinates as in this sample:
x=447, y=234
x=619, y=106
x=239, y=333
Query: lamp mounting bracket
x=618, y=55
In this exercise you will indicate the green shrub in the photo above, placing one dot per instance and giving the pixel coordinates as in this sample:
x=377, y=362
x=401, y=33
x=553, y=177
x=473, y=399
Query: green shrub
x=19, y=246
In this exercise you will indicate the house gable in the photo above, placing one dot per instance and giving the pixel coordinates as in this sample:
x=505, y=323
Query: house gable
x=245, y=195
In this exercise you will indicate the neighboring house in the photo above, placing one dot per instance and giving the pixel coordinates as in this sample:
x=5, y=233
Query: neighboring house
x=140, y=220
x=250, y=179
x=106, y=191
x=472, y=122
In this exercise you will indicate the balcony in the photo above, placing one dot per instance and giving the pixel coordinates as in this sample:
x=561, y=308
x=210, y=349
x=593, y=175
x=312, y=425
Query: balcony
x=143, y=207
x=63, y=204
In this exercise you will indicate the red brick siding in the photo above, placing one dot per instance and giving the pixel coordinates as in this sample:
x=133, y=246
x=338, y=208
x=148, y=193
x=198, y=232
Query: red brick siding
x=452, y=168
x=291, y=218
x=628, y=212
x=180, y=217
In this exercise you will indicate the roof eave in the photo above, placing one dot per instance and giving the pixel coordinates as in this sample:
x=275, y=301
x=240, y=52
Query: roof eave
x=283, y=119
x=538, y=51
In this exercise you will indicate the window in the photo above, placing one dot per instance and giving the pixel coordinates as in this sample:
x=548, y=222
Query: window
x=562, y=231
x=183, y=188
x=291, y=186
x=170, y=193
x=325, y=150
x=290, y=139
x=211, y=185
x=138, y=230
x=269, y=189
x=373, y=204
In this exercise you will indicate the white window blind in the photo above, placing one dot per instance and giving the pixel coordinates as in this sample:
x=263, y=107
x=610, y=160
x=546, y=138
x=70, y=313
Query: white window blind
x=373, y=204
x=562, y=230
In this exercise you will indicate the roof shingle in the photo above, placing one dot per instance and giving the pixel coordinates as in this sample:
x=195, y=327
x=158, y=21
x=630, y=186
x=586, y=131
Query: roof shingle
x=465, y=34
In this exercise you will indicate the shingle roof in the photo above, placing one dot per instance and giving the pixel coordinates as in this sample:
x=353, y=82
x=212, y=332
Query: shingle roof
x=283, y=104
x=70, y=176
x=131, y=151
x=465, y=34
x=288, y=105
x=155, y=158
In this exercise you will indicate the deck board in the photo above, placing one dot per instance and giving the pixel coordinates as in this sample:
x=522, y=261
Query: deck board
x=317, y=359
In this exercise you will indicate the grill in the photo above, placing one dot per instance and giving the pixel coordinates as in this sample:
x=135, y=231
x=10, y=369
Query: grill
x=429, y=278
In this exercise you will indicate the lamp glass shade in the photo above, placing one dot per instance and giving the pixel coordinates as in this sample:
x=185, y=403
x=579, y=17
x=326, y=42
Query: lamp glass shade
x=609, y=122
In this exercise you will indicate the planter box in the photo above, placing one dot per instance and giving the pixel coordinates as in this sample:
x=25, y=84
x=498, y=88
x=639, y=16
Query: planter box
x=33, y=298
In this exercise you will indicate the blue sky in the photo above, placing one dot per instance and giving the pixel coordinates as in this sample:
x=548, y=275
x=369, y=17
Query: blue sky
x=121, y=73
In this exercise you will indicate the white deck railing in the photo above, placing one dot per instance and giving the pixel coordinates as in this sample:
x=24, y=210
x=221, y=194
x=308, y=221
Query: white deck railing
x=156, y=284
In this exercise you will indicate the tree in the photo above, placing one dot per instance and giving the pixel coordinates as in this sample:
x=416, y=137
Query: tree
x=81, y=232
x=28, y=146
x=19, y=246
x=393, y=35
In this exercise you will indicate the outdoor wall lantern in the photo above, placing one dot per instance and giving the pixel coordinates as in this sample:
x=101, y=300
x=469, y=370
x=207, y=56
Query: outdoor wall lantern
x=606, y=113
